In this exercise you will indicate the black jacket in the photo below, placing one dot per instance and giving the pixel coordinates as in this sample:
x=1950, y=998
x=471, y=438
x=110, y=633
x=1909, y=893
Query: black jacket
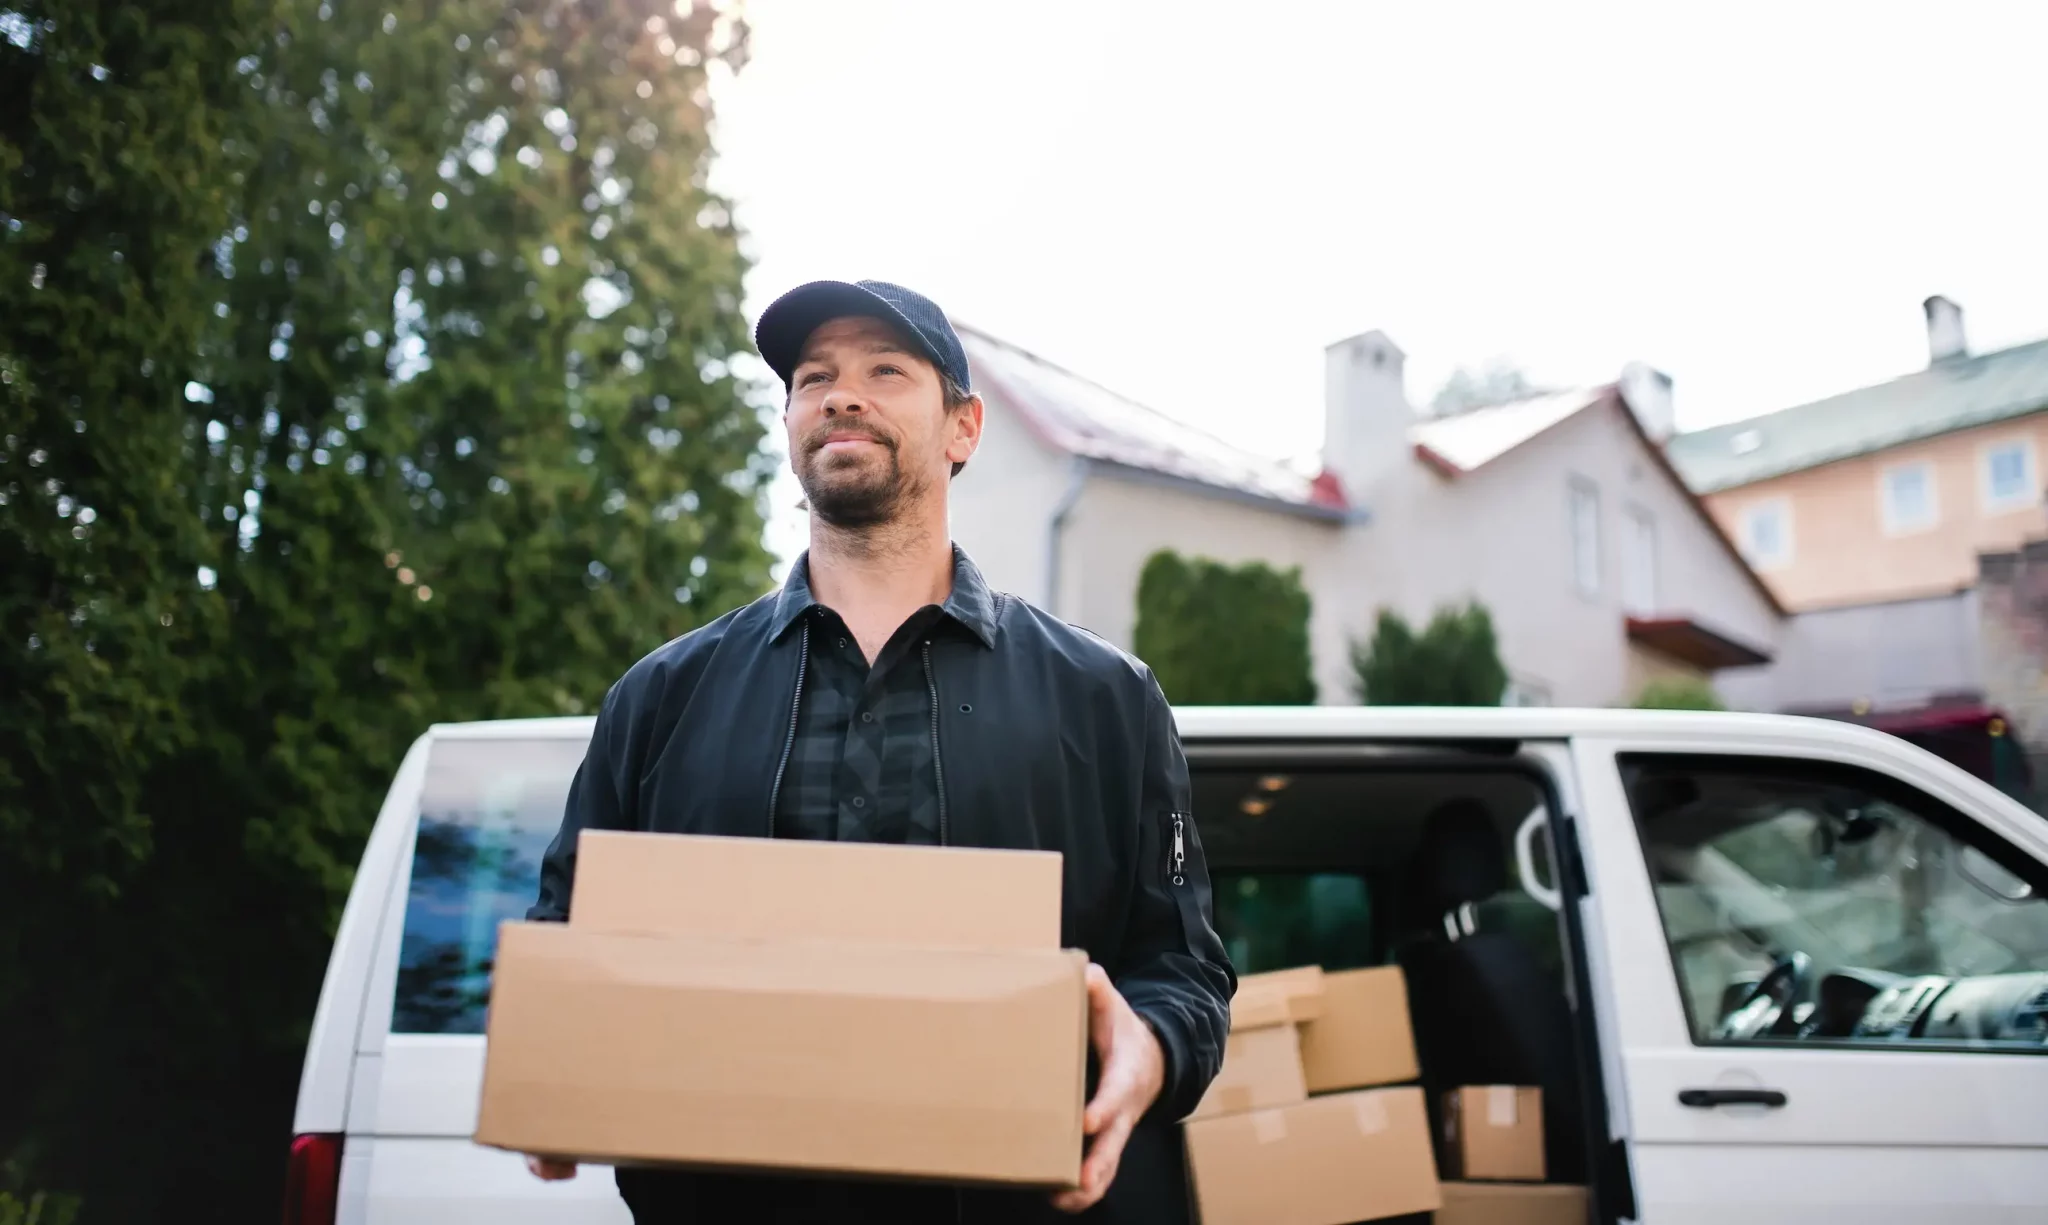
x=1048, y=739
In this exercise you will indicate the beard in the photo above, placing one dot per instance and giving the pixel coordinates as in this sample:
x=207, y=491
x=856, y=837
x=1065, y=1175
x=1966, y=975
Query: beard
x=861, y=490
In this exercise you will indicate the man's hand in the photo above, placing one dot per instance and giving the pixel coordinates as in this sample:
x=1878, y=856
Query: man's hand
x=1133, y=1069
x=549, y=1169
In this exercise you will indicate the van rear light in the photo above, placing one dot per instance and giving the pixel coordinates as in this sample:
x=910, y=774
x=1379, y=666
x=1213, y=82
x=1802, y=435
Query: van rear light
x=312, y=1182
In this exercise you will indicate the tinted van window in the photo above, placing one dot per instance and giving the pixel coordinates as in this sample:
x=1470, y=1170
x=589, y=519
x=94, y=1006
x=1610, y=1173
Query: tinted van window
x=487, y=813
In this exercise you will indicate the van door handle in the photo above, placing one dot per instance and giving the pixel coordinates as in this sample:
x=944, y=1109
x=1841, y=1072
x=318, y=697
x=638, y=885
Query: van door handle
x=1706, y=1099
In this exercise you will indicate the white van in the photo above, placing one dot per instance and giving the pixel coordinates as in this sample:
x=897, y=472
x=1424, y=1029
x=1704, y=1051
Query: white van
x=1777, y=971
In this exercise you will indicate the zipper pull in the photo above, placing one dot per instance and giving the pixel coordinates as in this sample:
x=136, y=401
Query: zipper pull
x=1178, y=859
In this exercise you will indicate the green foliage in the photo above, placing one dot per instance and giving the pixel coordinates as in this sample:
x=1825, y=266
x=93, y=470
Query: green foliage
x=358, y=369
x=39, y=1208
x=1455, y=661
x=1679, y=693
x=1218, y=635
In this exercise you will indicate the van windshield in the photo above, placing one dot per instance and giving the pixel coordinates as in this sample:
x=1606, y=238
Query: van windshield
x=488, y=810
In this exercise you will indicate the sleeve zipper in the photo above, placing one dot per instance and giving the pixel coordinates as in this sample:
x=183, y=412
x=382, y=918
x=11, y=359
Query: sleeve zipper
x=1177, y=855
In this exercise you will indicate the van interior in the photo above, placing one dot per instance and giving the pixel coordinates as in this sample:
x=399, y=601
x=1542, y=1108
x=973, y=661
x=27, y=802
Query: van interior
x=1369, y=857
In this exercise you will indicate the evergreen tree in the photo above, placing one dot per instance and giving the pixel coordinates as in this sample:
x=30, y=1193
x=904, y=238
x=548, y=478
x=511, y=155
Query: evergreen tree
x=1224, y=635
x=1455, y=661
x=361, y=368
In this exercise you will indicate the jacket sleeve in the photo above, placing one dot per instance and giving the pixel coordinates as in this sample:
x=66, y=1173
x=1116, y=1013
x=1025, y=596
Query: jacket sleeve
x=596, y=801
x=1174, y=972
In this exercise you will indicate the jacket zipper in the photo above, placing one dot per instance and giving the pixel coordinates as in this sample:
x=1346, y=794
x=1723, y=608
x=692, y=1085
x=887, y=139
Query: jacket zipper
x=1177, y=854
x=938, y=764
x=803, y=659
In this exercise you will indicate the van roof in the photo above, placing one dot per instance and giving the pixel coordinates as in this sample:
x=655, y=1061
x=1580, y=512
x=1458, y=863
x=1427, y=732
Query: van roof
x=1367, y=723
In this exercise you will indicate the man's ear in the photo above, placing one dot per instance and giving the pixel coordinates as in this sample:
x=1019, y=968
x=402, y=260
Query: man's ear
x=965, y=425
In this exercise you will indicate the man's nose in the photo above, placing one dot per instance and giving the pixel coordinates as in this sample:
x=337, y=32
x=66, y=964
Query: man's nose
x=842, y=400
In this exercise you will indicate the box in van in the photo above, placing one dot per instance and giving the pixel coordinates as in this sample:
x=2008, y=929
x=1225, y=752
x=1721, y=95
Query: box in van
x=1329, y=1160
x=754, y=1004
x=1494, y=1133
x=1361, y=1037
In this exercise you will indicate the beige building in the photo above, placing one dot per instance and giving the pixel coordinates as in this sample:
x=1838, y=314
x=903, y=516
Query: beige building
x=1560, y=514
x=1873, y=515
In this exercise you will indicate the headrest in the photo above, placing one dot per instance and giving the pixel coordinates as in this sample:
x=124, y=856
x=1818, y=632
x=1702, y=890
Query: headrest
x=1460, y=858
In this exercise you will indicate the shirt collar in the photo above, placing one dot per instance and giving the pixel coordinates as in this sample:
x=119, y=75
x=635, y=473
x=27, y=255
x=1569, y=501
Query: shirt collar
x=971, y=604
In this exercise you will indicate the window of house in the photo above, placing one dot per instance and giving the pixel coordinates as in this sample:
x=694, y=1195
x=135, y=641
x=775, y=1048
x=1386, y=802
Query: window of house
x=1809, y=902
x=1639, y=579
x=1767, y=534
x=1909, y=504
x=488, y=810
x=1585, y=504
x=2009, y=480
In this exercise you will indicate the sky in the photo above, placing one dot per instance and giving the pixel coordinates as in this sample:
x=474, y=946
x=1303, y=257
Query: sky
x=1186, y=202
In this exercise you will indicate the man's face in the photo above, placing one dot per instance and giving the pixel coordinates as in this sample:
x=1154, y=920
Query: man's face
x=869, y=430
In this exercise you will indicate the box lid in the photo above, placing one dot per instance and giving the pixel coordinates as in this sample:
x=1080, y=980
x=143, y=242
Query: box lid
x=1301, y=987
x=792, y=889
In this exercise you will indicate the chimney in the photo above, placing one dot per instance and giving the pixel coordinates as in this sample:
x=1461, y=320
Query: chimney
x=1647, y=392
x=1945, y=340
x=1366, y=414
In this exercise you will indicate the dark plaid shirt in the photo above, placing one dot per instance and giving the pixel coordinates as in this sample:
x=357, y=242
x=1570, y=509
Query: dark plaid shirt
x=862, y=766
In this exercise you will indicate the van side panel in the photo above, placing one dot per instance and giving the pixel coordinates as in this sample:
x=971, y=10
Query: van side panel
x=330, y=1045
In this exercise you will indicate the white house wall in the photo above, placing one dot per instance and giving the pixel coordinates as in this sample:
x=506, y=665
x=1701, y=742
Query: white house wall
x=1002, y=501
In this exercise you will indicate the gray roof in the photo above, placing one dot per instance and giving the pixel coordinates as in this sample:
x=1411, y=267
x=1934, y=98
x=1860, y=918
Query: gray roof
x=1951, y=395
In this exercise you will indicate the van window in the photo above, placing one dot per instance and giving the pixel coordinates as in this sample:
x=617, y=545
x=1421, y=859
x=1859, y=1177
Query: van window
x=1808, y=902
x=1274, y=920
x=488, y=810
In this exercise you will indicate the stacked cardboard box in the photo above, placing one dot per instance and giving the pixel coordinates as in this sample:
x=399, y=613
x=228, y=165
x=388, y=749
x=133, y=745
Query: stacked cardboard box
x=755, y=1004
x=1300, y=1127
x=1492, y=1159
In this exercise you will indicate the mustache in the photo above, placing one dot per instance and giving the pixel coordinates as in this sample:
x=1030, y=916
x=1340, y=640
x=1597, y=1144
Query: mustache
x=818, y=437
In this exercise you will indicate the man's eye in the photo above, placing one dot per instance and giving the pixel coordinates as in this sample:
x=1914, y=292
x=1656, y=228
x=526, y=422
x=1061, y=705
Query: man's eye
x=815, y=376
x=888, y=370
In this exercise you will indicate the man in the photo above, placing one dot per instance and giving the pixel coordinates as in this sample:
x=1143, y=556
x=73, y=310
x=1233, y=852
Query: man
x=886, y=694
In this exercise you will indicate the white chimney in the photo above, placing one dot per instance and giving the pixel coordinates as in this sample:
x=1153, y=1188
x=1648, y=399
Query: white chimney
x=1945, y=339
x=1366, y=414
x=1647, y=391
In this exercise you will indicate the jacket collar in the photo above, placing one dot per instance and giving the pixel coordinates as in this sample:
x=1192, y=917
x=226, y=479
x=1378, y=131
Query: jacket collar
x=971, y=604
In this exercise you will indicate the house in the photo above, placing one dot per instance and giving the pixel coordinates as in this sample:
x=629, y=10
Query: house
x=1891, y=519
x=1888, y=492
x=1561, y=514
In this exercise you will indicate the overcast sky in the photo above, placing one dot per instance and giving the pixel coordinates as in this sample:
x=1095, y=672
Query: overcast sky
x=1187, y=201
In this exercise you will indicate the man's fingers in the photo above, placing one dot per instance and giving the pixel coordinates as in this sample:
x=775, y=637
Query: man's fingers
x=549, y=1169
x=1099, y=1170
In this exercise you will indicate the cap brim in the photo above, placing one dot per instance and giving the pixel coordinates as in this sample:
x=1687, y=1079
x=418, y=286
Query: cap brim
x=790, y=319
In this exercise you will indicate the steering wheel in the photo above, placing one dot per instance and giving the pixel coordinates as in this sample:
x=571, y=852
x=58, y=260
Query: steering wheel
x=1767, y=1011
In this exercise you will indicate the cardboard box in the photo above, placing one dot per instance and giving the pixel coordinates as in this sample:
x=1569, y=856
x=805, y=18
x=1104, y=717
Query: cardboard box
x=1301, y=988
x=1501, y=1203
x=1326, y=1161
x=794, y=1014
x=1362, y=1037
x=1261, y=1069
x=1494, y=1132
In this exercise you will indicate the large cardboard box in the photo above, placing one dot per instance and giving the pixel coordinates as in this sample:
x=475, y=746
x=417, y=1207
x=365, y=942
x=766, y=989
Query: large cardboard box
x=1299, y=990
x=1261, y=1069
x=1503, y=1203
x=1494, y=1132
x=1326, y=1161
x=1361, y=1037
x=901, y=1012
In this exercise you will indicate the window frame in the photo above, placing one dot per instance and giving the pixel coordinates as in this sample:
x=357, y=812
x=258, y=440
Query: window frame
x=1639, y=549
x=1811, y=771
x=1779, y=508
x=2029, y=494
x=1588, y=574
x=1896, y=524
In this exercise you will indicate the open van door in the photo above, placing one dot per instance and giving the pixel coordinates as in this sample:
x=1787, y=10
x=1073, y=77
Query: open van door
x=1829, y=965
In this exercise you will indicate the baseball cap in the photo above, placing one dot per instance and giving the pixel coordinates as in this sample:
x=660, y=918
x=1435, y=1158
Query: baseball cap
x=791, y=318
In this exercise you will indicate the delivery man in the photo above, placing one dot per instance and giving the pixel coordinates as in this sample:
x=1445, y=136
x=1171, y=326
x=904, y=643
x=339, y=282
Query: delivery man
x=886, y=694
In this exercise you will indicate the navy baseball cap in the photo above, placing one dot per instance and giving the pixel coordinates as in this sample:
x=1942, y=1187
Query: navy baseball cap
x=791, y=318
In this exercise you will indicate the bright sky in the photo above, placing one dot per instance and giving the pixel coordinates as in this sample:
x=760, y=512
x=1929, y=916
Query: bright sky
x=1187, y=201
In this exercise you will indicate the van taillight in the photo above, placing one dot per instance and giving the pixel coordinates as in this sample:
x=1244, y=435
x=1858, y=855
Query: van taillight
x=313, y=1180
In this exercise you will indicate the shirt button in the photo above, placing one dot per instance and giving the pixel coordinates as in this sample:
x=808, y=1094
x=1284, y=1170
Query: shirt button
x=842, y=644
x=859, y=802
x=867, y=716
